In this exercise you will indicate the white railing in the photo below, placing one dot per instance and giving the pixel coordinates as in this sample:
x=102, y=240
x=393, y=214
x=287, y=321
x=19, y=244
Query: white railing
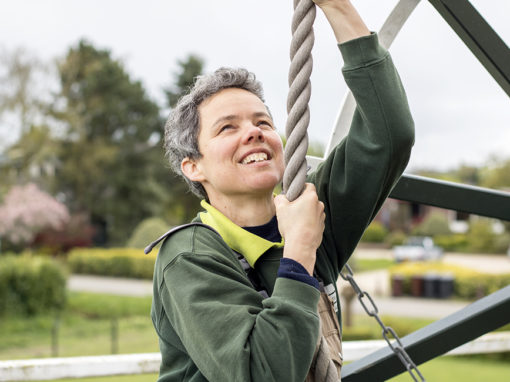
x=129, y=364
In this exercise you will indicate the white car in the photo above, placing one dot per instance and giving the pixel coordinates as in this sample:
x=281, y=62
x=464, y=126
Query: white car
x=417, y=248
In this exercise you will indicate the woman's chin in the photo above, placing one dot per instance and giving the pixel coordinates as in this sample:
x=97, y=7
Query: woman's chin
x=264, y=187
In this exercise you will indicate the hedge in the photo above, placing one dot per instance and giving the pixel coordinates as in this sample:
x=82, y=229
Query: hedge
x=30, y=285
x=146, y=231
x=375, y=233
x=118, y=262
x=467, y=284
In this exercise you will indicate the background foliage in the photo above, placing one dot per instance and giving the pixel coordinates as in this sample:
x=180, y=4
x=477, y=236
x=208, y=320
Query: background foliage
x=468, y=284
x=31, y=285
x=91, y=138
x=120, y=262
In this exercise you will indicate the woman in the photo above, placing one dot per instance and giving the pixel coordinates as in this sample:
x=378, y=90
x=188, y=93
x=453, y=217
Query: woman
x=211, y=322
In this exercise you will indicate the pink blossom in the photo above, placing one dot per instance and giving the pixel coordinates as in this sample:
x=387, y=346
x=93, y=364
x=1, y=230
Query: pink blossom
x=26, y=210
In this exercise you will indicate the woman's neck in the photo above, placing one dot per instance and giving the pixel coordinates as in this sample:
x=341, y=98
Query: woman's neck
x=246, y=210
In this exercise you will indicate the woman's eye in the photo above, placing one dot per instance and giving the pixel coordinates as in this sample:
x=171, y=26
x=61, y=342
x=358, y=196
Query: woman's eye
x=265, y=123
x=226, y=127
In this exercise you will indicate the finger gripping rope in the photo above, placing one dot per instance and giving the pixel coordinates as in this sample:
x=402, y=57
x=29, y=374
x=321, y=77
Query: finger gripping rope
x=298, y=98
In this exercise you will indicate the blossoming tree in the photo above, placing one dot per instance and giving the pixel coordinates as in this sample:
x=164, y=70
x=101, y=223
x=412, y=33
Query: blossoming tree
x=26, y=211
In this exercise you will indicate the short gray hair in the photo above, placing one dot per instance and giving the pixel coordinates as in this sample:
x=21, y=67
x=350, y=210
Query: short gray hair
x=183, y=125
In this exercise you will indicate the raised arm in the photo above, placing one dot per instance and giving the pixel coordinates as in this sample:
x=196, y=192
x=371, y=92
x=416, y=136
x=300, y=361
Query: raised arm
x=359, y=174
x=344, y=19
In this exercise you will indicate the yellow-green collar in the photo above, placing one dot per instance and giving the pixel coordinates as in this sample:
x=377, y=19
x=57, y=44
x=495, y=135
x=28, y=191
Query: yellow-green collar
x=248, y=244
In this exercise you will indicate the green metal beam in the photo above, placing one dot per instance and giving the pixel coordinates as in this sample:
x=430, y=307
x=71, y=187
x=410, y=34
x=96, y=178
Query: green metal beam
x=483, y=316
x=479, y=37
x=454, y=196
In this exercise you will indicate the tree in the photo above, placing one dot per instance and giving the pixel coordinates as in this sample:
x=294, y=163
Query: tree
x=24, y=80
x=25, y=88
x=26, y=211
x=497, y=175
x=183, y=205
x=189, y=69
x=32, y=158
x=110, y=158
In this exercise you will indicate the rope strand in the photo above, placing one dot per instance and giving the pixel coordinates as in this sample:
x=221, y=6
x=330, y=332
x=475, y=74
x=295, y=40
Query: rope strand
x=300, y=91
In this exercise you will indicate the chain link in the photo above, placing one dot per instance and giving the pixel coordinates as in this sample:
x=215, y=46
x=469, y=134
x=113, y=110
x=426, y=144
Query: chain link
x=373, y=311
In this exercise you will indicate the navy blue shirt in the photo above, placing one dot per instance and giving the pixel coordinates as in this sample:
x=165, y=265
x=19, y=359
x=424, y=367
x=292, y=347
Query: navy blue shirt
x=289, y=268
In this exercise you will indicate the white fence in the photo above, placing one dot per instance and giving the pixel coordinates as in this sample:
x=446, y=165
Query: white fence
x=129, y=364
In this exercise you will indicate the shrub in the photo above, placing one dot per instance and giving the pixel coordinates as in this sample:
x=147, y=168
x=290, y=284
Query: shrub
x=455, y=242
x=436, y=223
x=375, y=233
x=502, y=243
x=119, y=262
x=395, y=238
x=146, y=232
x=31, y=285
x=481, y=237
x=467, y=284
x=78, y=232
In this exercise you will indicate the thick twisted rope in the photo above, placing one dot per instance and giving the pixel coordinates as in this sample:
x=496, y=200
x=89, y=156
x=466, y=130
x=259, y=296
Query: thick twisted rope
x=294, y=178
x=299, y=94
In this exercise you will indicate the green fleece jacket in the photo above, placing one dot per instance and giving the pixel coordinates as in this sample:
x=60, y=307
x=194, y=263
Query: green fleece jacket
x=212, y=325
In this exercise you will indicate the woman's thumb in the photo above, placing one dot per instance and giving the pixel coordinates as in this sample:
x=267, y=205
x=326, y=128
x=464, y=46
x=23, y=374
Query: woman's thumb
x=280, y=200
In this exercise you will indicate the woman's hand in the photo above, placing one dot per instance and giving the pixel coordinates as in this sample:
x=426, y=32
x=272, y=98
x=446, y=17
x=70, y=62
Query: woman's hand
x=321, y=3
x=301, y=223
x=343, y=18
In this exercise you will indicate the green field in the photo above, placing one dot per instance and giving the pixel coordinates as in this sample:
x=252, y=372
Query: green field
x=363, y=265
x=85, y=329
x=461, y=369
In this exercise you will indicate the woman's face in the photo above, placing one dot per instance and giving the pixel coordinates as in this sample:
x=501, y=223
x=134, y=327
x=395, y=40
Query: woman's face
x=241, y=151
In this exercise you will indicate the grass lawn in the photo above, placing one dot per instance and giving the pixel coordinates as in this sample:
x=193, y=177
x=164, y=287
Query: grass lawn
x=363, y=265
x=85, y=329
x=461, y=369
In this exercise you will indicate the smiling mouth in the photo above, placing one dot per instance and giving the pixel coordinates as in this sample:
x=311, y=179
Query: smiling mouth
x=254, y=158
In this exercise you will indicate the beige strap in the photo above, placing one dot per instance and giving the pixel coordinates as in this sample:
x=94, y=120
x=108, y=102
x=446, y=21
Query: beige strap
x=327, y=359
x=325, y=370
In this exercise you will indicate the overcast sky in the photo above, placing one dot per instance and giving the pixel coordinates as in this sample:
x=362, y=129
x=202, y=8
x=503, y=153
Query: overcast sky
x=461, y=114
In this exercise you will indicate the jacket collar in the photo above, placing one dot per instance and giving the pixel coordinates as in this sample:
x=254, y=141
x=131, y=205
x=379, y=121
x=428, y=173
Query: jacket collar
x=246, y=243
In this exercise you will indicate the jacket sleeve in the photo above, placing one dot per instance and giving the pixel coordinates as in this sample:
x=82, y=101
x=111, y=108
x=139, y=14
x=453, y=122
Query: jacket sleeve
x=228, y=330
x=359, y=174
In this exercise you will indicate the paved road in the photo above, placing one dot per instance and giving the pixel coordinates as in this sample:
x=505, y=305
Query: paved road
x=110, y=285
x=375, y=282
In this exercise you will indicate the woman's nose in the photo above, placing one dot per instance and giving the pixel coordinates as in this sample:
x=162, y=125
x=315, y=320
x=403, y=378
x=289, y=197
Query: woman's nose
x=254, y=134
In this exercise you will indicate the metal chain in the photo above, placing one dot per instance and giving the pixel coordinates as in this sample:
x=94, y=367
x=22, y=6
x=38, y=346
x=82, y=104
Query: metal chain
x=373, y=311
x=297, y=144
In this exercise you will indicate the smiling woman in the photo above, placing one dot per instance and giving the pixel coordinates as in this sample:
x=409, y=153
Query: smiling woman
x=241, y=293
x=237, y=131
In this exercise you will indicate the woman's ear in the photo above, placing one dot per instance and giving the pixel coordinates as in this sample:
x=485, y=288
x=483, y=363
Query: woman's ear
x=191, y=170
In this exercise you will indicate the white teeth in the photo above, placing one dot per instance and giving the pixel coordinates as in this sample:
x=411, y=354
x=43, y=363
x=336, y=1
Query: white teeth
x=255, y=157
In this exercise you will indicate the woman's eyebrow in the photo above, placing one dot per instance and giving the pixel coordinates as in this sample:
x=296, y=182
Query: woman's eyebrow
x=261, y=114
x=225, y=118
x=232, y=117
